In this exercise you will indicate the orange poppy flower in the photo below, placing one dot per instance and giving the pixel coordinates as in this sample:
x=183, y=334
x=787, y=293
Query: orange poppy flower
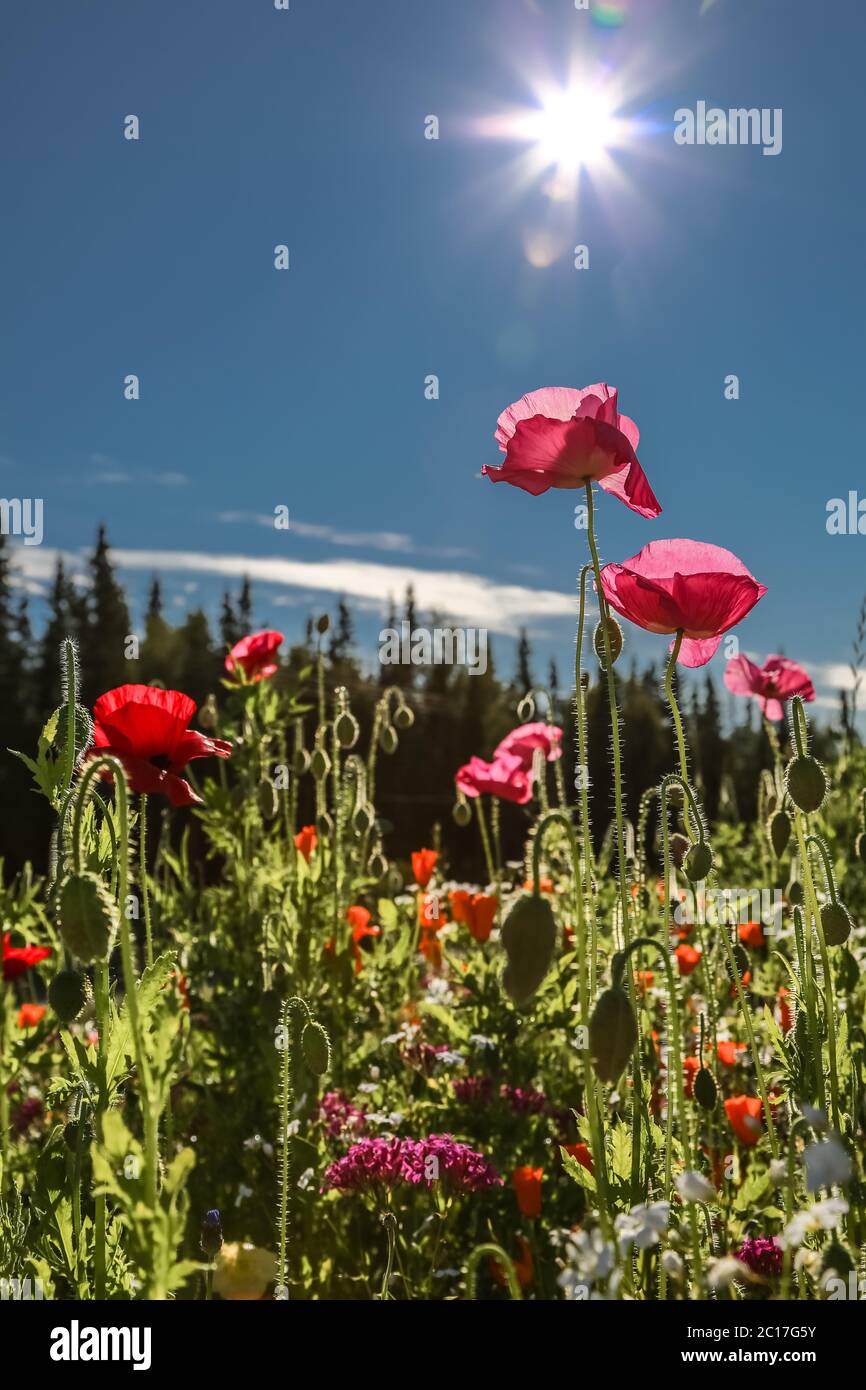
x=431, y=949
x=359, y=920
x=523, y=1266
x=786, y=1017
x=527, y=1184
x=306, y=841
x=644, y=979
x=580, y=1152
x=476, y=910
x=727, y=1052
x=423, y=864
x=752, y=934
x=545, y=885
x=30, y=1014
x=744, y=1117
x=687, y=958
x=691, y=1067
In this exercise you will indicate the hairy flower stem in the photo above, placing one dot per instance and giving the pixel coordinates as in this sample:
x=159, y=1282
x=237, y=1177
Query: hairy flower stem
x=753, y=1046
x=504, y=1262
x=142, y=873
x=622, y=876
x=814, y=911
x=583, y=773
x=485, y=839
x=287, y=1098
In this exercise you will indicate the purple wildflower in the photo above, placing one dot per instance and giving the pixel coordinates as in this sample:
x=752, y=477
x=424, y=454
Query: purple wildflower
x=763, y=1256
x=525, y=1102
x=339, y=1116
x=370, y=1163
x=473, y=1090
x=373, y=1163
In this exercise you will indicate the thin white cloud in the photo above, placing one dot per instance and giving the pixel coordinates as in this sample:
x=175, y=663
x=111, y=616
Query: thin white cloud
x=396, y=542
x=469, y=599
x=108, y=474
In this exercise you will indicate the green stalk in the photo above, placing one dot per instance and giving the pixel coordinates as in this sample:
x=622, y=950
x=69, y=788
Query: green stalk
x=585, y=829
x=142, y=868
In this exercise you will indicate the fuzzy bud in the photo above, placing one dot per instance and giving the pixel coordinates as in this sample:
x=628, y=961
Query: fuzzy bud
x=388, y=739
x=704, y=1089
x=698, y=863
x=779, y=830
x=836, y=923
x=316, y=1047
x=612, y=1034
x=68, y=994
x=404, y=717
x=347, y=730
x=267, y=799
x=88, y=917
x=806, y=783
x=614, y=637
x=528, y=935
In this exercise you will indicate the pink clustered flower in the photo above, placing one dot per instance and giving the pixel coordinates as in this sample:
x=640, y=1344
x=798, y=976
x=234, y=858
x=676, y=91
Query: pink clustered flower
x=762, y=1255
x=339, y=1116
x=473, y=1090
x=524, y=1102
x=390, y=1163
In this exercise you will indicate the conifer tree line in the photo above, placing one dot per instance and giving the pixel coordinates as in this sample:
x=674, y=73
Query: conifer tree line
x=457, y=715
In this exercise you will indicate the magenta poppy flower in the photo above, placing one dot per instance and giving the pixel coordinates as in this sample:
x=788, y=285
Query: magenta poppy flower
x=560, y=437
x=771, y=684
x=670, y=586
x=522, y=742
x=506, y=777
x=254, y=655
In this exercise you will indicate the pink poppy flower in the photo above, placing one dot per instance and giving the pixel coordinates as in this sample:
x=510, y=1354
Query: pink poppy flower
x=522, y=742
x=689, y=585
x=560, y=437
x=506, y=777
x=771, y=684
x=254, y=655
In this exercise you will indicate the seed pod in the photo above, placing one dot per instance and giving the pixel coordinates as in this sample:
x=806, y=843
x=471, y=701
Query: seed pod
x=320, y=764
x=612, y=1034
x=346, y=729
x=362, y=818
x=300, y=761
x=698, y=862
x=836, y=923
x=860, y=848
x=614, y=637
x=88, y=917
x=461, y=813
x=323, y=622
x=404, y=717
x=805, y=782
x=679, y=848
x=267, y=799
x=68, y=994
x=779, y=830
x=316, y=1047
x=529, y=937
x=388, y=739
x=704, y=1089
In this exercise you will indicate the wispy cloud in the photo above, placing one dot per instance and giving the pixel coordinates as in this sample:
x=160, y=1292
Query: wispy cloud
x=395, y=542
x=469, y=599
x=108, y=474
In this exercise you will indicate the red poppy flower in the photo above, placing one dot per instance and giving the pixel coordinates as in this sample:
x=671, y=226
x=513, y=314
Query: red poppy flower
x=689, y=585
x=744, y=1117
x=691, y=1067
x=523, y=1266
x=560, y=437
x=786, y=1017
x=687, y=958
x=359, y=919
x=771, y=684
x=17, y=959
x=423, y=864
x=476, y=910
x=523, y=741
x=146, y=728
x=306, y=841
x=582, y=1153
x=527, y=1184
x=253, y=656
x=752, y=934
x=545, y=885
x=31, y=1014
x=727, y=1052
x=506, y=778
x=644, y=979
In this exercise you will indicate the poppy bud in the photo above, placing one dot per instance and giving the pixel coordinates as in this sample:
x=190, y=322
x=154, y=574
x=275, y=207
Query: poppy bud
x=836, y=923
x=780, y=832
x=88, y=917
x=320, y=764
x=267, y=799
x=346, y=729
x=323, y=622
x=461, y=813
x=526, y=709
x=324, y=825
x=614, y=637
x=704, y=1089
x=316, y=1047
x=698, y=862
x=795, y=893
x=362, y=818
x=68, y=993
x=679, y=848
x=860, y=848
x=207, y=715
x=404, y=717
x=612, y=1034
x=211, y=1237
x=805, y=782
x=377, y=867
x=529, y=938
x=848, y=971
x=300, y=761
x=388, y=739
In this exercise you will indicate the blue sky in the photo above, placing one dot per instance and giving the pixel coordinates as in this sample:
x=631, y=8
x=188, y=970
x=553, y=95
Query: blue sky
x=411, y=257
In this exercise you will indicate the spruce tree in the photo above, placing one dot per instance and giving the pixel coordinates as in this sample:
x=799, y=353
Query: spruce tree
x=104, y=663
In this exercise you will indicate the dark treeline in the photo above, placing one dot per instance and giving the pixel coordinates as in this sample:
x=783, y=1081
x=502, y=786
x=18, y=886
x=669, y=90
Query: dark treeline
x=457, y=714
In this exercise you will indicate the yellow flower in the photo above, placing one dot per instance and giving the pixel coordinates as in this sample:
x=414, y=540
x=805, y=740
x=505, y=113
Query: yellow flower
x=242, y=1271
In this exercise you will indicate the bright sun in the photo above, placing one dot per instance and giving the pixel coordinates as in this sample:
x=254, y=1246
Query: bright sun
x=572, y=130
